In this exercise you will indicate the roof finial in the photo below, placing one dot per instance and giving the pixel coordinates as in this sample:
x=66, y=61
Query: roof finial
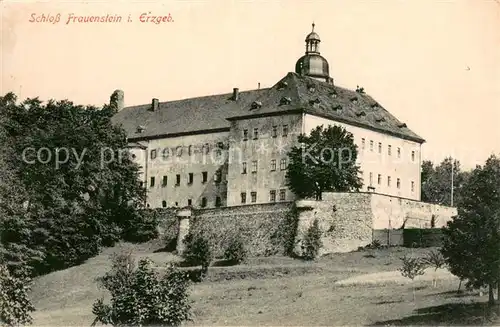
x=313, y=26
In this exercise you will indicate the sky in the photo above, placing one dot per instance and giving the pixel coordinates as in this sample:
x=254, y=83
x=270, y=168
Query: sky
x=434, y=64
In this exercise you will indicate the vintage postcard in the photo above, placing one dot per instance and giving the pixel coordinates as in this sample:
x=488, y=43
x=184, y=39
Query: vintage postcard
x=245, y=163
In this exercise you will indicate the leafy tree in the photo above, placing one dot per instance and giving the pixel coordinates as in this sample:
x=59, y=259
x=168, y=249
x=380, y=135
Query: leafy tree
x=436, y=260
x=140, y=296
x=436, y=182
x=472, y=239
x=198, y=251
x=79, y=194
x=236, y=252
x=411, y=268
x=15, y=305
x=324, y=161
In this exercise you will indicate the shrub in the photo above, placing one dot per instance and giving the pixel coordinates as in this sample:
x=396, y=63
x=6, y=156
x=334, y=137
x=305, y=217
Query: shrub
x=141, y=226
x=235, y=253
x=15, y=305
x=140, y=296
x=198, y=251
x=312, y=242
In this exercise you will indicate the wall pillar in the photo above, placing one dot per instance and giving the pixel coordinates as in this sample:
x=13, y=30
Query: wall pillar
x=305, y=209
x=183, y=216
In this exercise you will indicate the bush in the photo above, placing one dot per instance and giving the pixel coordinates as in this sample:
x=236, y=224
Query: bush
x=198, y=251
x=312, y=242
x=235, y=253
x=15, y=305
x=412, y=267
x=139, y=296
x=141, y=226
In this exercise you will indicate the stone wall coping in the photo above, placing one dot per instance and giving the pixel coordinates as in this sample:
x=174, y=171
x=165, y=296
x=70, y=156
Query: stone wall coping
x=184, y=213
x=393, y=197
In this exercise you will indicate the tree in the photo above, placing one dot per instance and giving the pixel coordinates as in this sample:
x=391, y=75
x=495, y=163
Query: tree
x=472, y=239
x=324, y=161
x=140, y=296
x=78, y=188
x=411, y=268
x=15, y=305
x=436, y=182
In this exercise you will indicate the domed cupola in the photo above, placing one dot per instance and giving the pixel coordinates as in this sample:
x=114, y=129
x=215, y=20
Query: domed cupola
x=312, y=64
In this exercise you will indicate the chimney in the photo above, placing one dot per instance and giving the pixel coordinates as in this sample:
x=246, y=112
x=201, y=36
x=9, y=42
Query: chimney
x=155, y=104
x=117, y=100
x=236, y=93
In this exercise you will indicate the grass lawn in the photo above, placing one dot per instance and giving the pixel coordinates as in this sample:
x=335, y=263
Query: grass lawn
x=358, y=288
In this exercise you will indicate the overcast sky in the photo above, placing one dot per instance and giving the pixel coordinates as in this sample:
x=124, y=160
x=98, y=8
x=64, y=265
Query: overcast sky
x=434, y=64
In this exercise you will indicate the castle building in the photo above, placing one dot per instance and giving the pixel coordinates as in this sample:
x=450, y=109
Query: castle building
x=231, y=149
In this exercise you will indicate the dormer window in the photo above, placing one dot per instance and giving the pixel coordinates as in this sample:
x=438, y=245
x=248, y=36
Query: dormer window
x=380, y=120
x=333, y=94
x=140, y=129
x=282, y=85
x=311, y=87
x=285, y=100
x=354, y=100
x=256, y=104
x=337, y=107
x=375, y=105
x=315, y=101
x=402, y=125
x=361, y=114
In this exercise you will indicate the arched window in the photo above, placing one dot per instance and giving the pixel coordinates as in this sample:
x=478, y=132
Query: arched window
x=166, y=153
x=178, y=151
x=164, y=204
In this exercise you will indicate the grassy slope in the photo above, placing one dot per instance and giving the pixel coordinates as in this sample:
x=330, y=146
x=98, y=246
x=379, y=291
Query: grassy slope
x=274, y=291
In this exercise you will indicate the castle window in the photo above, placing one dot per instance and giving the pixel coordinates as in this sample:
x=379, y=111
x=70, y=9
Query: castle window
x=165, y=153
x=177, y=180
x=153, y=154
x=413, y=156
x=164, y=182
x=244, y=168
x=285, y=130
x=178, y=151
x=389, y=150
x=203, y=202
x=272, y=196
x=412, y=186
x=389, y=181
x=245, y=134
x=399, y=152
x=152, y=182
x=371, y=146
x=190, y=178
x=164, y=204
x=283, y=164
x=379, y=147
x=190, y=150
x=282, y=195
x=254, y=166
x=207, y=148
x=253, y=196
x=243, y=197
x=398, y=183
x=141, y=183
x=218, y=176
x=275, y=131
x=204, y=177
x=371, y=179
x=255, y=133
x=379, y=179
x=190, y=202
x=273, y=164
x=363, y=143
x=218, y=201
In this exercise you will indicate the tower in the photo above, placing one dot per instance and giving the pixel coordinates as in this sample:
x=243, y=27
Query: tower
x=312, y=64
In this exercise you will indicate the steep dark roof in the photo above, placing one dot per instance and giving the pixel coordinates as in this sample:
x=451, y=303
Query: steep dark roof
x=291, y=94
